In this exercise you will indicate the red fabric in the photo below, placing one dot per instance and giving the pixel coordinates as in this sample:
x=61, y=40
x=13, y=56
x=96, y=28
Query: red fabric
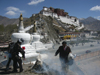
x=4, y=56
x=23, y=48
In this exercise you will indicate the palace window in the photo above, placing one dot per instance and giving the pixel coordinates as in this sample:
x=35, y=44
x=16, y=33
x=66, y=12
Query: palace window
x=75, y=20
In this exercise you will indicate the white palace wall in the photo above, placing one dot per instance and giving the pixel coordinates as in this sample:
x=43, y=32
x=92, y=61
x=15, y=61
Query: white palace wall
x=64, y=19
x=47, y=13
x=55, y=15
x=69, y=20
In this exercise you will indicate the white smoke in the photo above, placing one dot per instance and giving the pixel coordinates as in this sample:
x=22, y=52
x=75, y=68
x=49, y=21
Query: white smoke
x=53, y=62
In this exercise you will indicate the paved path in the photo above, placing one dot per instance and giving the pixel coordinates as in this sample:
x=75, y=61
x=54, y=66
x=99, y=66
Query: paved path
x=90, y=66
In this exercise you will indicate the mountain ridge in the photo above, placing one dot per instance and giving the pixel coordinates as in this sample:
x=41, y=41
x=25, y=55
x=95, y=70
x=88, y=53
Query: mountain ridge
x=91, y=23
x=7, y=21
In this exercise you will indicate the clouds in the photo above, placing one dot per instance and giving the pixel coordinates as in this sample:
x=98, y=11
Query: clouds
x=15, y=11
x=34, y=2
x=12, y=11
x=95, y=8
x=98, y=17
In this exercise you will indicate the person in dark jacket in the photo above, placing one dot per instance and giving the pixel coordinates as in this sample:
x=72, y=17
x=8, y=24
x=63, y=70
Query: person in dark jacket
x=15, y=55
x=10, y=49
x=63, y=52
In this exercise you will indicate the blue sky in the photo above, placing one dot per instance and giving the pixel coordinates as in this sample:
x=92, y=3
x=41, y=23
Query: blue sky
x=77, y=8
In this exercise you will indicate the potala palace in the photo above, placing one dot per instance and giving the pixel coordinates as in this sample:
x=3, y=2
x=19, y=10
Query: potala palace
x=59, y=14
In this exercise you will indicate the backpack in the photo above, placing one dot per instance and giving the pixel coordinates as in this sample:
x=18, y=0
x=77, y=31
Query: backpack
x=11, y=46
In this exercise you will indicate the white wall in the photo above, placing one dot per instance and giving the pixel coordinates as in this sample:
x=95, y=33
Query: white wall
x=45, y=8
x=66, y=19
x=73, y=20
x=47, y=13
x=80, y=27
x=55, y=15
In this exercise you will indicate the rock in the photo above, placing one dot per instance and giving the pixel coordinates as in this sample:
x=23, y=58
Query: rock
x=40, y=67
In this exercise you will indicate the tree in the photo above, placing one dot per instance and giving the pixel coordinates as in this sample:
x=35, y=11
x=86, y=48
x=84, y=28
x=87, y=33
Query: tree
x=1, y=28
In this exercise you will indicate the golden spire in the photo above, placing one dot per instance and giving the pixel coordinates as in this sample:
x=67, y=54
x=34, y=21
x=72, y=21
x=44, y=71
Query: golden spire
x=21, y=18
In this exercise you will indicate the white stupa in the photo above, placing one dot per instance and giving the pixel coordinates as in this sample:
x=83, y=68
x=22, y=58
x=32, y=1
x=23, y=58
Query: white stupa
x=30, y=51
x=39, y=46
x=21, y=33
x=31, y=43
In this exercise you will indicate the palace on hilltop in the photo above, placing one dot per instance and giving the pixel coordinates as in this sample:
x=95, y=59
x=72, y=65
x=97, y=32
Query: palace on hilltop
x=63, y=16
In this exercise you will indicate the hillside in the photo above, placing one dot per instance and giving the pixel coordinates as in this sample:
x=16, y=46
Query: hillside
x=91, y=23
x=6, y=21
x=45, y=25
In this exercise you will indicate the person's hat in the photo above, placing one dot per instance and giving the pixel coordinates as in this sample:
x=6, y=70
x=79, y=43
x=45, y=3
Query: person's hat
x=20, y=40
x=64, y=42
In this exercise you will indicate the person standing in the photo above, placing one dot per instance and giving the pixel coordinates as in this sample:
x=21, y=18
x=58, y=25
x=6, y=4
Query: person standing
x=10, y=49
x=63, y=52
x=15, y=55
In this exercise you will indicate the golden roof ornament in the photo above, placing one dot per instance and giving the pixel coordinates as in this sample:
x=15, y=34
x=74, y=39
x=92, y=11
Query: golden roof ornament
x=21, y=18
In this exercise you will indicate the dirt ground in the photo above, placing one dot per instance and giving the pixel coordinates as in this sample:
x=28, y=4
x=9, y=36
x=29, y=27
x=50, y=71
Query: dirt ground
x=26, y=70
